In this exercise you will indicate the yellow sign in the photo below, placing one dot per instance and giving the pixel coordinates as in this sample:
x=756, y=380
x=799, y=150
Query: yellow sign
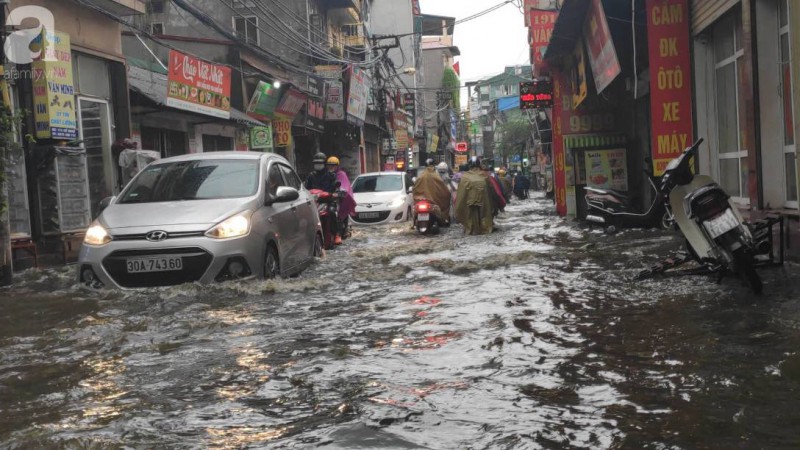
x=461, y=160
x=579, y=87
x=53, y=90
x=434, y=144
x=283, y=132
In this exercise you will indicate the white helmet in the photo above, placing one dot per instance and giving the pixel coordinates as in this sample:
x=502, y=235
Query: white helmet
x=442, y=167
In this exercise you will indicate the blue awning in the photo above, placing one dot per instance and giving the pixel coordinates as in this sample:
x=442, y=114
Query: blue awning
x=506, y=103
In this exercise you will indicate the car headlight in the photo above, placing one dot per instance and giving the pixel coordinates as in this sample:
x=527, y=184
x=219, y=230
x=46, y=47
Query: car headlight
x=96, y=235
x=397, y=202
x=232, y=227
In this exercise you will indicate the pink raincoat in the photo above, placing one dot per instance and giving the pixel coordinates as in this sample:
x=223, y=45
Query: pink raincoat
x=348, y=205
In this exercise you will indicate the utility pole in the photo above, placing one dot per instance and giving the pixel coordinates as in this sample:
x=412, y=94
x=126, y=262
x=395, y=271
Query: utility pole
x=6, y=270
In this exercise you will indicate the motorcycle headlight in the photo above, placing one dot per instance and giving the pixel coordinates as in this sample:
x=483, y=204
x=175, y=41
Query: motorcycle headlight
x=232, y=227
x=96, y=235
x=397, y=202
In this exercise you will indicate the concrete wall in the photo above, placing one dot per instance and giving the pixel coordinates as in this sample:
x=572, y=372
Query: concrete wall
x=87, y=28
x=395, y=17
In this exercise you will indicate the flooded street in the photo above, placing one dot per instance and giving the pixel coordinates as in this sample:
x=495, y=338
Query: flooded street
x=532, y=337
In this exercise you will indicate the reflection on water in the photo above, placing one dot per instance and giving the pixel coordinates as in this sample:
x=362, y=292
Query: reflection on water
x=531, y=337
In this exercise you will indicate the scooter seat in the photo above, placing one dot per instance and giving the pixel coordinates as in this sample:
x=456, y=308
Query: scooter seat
x=607, y=192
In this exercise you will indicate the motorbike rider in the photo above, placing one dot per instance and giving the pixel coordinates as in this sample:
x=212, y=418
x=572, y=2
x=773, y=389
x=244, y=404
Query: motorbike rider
x=347, y=206
x=474, y=206
x=444, y=172
x=429, y=185
x=321, y=178
x=521, y=186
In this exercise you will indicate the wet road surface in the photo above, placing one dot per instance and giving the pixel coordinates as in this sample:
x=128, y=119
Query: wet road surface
x=533, y=337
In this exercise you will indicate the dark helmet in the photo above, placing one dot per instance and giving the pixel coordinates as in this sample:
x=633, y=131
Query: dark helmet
x=475, y=161
x=320, y=158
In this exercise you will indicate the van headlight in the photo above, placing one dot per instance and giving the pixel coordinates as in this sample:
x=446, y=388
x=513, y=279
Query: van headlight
x=96, y=234
x=397, y=202
x=232, y=227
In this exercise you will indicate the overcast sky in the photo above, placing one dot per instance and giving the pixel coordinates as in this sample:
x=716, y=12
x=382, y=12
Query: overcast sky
x=488, y=43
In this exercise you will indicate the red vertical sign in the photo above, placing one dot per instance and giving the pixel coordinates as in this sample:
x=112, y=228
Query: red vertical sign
x=670, y=79
x=559, y=175
x=541, y=29
x=602, y=54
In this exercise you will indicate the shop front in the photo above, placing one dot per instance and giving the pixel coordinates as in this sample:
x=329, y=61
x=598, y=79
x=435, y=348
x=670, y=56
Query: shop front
x=743, y=70
x=622, y=96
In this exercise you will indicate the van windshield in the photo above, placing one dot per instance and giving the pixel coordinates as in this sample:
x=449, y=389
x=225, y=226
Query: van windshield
x=193, y=180
x=378, y=183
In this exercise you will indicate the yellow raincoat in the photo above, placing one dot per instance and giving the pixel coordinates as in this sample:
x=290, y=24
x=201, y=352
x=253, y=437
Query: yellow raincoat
x=429, y=185
x=473, y=204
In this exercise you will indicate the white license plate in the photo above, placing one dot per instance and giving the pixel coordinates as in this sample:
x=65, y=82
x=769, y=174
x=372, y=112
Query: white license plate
x=721, y=224
x=154, y=264
x=369, y=215
x=423, y=217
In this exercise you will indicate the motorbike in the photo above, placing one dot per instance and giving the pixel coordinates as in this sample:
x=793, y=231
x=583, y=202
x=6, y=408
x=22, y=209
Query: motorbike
x=714, y=230
x=427, y=216
x=614, y=209
x=328, y=209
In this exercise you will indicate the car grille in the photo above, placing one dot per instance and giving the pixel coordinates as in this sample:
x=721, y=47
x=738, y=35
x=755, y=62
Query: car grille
x=195, y=264
x=382, y=215
x=143, y=236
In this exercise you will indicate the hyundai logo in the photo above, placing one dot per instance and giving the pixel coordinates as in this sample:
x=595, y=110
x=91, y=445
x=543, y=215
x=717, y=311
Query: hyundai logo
x=156, y=236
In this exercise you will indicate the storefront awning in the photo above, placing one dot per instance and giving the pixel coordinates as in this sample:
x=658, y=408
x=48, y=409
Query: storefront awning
x=153, y=85
x=568, y=29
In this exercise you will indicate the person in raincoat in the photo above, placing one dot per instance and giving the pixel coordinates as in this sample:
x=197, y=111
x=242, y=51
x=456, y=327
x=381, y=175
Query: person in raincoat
x=347, y=206
x=474, y=208
x=321, y=178
x=429, y=185
x=521, y=186
x=496, y=194
x=505, y=182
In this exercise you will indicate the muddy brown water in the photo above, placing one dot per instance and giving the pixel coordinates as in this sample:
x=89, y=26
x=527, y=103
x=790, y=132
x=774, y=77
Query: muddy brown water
x=533, y=337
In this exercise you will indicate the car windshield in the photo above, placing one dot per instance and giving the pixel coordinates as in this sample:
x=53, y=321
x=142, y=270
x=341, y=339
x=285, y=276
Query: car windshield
x=194, y=180
x=378, y=183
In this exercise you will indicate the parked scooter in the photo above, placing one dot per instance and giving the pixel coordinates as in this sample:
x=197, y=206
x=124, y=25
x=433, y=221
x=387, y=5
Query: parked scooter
x=427, y=216
x=614, y=209
x=709, y=220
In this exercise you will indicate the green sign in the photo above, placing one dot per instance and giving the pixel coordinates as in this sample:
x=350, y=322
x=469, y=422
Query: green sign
x=264, y=101
x=261, y=138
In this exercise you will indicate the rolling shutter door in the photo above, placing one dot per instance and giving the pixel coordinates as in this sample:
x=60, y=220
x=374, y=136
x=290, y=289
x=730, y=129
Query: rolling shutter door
x=706, y=12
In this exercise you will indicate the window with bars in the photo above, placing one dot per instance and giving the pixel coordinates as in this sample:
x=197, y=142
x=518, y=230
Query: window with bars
x=156, y=6
x=247, y=28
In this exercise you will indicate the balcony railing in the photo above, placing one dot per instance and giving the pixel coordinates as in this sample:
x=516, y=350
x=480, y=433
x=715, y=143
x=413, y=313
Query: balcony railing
x=353, y=35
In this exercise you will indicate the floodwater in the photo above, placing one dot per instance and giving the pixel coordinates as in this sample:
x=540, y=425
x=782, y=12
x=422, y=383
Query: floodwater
x=533, y=337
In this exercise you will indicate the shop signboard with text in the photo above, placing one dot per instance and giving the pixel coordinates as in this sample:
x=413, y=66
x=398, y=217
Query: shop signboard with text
x=291, y=103
x=283, y=132
x=542, y=24
x=670, y=80
x=607, y=169
x=602, y=54
x=315, y=115
x=261, y=138
x=587, y=119
x=357, y=96
x=334, y=100
x=53, y=89
x=198, y=86
x=264, y=101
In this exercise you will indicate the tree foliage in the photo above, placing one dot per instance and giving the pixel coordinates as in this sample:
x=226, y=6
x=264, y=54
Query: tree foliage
x=451, y=83
x=514, y=134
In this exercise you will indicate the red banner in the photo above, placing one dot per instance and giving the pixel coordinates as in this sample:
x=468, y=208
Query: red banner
x=291, y=103
x=602, y=54
x=541, y=30
x=198, y=86
x=670, y=80
x=559, y=174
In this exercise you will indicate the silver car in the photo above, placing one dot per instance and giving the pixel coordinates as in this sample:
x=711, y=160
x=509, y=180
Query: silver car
x=203, y=217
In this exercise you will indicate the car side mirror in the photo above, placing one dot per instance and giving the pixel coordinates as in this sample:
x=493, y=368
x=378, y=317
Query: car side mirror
x=104, y=204
x=284, y=194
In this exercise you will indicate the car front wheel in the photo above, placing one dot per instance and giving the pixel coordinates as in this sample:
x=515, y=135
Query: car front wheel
x=272, y=268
